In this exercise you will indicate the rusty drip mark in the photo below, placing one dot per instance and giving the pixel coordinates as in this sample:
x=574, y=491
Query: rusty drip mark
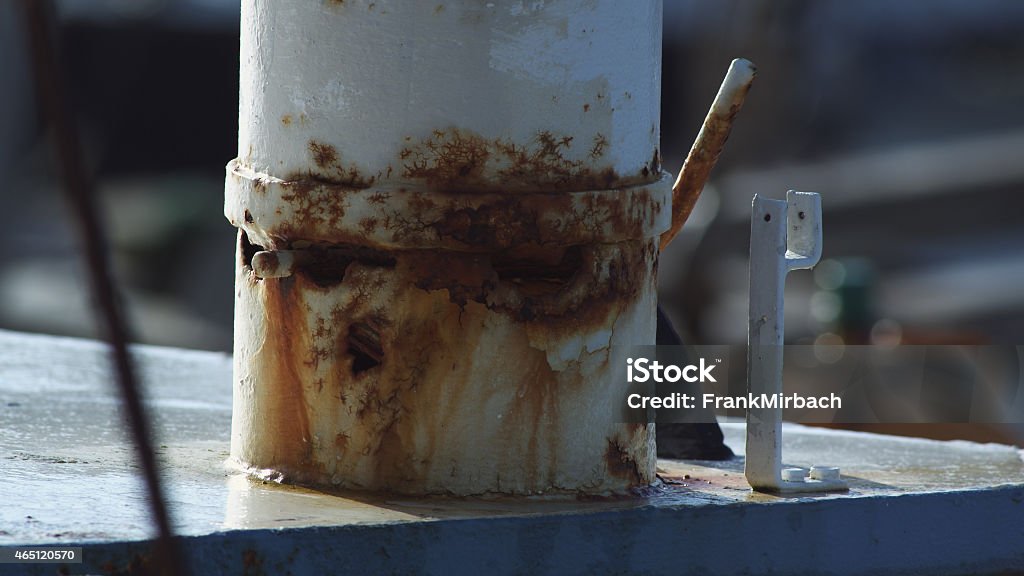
x=287, y=411
x=709, y=144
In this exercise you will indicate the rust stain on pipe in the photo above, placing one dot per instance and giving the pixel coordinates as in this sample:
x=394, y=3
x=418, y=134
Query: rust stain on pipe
x=457, y=160
x=314, y=211
x=372, y=301
x=380, y=362
x=286, y=412
x=458, y=263
x=288, y=419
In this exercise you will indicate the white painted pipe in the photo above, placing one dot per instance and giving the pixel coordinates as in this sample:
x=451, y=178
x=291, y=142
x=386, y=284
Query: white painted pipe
x=448, y=220
x=370, y=79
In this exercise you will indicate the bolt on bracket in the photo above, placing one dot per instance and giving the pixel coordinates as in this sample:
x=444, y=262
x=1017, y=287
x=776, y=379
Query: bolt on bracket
x=784, y=235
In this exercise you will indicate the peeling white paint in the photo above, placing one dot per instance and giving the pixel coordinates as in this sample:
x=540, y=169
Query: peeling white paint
x=506, y=392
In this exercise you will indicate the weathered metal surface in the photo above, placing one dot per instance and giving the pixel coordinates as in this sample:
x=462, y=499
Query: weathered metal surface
x=375, y=379
x=283, y=214
x=709, y=144
x=448, y=219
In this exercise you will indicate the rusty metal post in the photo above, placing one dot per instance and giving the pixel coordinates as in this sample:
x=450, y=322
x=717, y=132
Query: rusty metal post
x=448, y=229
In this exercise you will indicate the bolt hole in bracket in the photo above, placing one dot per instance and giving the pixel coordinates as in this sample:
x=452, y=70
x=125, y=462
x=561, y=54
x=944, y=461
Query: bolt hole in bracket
x=784, y=235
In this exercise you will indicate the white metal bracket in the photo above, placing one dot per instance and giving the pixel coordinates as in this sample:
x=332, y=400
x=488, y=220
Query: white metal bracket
x=784, y=236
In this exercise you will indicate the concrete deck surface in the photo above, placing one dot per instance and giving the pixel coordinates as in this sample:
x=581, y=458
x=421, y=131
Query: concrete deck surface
x=914, y=506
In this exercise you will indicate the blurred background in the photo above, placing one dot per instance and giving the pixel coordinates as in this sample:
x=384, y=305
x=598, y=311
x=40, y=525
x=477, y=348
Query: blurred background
x=155, y=85
x=906, y=117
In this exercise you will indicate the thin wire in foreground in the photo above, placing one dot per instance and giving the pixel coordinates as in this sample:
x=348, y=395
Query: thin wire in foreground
x=80, y=192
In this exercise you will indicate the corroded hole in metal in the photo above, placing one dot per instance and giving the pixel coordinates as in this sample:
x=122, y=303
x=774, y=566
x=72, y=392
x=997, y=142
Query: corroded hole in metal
x=364, y=345
x=504, y=223
x=537, y=271
x=540, y=283
x=246, y=250
x=326, y=267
